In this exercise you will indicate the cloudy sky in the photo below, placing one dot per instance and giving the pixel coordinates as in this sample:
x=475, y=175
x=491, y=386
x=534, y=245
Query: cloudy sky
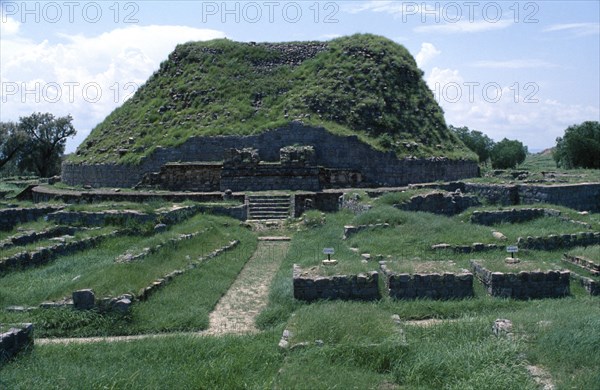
x=521, y=70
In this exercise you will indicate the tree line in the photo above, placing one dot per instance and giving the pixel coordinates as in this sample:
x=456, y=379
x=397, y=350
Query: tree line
x=578, y=148
x=35, y=144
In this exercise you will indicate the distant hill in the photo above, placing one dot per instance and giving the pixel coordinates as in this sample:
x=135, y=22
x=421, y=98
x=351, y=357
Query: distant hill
x=547, y=152
x=363, y=84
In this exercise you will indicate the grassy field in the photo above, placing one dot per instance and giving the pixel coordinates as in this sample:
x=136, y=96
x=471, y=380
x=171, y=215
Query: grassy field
x=387, y=344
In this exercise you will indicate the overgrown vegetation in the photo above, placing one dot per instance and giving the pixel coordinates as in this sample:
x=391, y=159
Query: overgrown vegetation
x=579, y=147
x=380, y=344
x=363, y=84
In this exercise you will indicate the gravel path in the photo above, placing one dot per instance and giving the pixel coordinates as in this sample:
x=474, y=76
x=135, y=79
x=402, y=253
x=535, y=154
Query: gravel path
x=236, y=310
x=248, y=296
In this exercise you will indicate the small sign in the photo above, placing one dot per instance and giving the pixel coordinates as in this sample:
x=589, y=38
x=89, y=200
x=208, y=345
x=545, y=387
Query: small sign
x=328, y=251
x=512, y=249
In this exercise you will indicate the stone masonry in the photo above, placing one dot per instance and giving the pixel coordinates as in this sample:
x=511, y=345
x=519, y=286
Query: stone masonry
x=524, y=285
x=433, y=286
x=330, y=151
x=347, y=287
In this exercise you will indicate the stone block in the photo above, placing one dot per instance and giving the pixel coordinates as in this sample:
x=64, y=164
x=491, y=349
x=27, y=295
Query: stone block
x=84, y=299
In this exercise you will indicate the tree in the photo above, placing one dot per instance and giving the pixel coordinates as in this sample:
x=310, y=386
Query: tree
x=579, y=147
x=47, y=136
x=508, y=154
x=475, y=140
x=12, y=141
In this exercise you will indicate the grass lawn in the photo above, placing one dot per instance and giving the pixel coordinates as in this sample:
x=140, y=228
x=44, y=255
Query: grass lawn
x=341, y=344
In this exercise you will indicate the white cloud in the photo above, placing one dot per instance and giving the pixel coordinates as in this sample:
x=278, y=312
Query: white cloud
x=427, y=52
x=93, y=74
x=514, y=64
x=575, y=28
x=464, y=26
x=501, y=111
x=329, y=36
x=8, y=26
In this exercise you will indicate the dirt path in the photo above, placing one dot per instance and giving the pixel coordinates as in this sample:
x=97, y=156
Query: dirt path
x=236, y=310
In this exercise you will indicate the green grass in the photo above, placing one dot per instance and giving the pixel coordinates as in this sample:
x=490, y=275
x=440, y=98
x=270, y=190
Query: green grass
x=96, y=268
x=174, y=362
x=535, y=164
x=416, y=265
x=361, y=85
x=78, y=236
x=590, y=252
x=35, y=226
x=362, y=347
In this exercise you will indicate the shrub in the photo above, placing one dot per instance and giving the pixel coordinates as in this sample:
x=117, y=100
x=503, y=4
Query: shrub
x=508, y=154
x=579, y=147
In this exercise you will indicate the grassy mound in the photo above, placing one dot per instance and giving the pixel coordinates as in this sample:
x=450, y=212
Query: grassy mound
x=363, y=85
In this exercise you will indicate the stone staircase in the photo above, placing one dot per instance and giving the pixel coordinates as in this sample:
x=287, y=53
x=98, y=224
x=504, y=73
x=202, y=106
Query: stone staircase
x=262, y=207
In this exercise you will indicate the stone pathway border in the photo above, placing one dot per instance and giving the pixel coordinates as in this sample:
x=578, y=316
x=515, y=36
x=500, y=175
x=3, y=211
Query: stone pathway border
x=231, y=315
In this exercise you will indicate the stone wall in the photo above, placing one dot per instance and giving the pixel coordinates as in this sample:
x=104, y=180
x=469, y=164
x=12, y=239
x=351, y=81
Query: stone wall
x=205, y=177
x=440, y=203
x=584, y=263
x=489, y=218
x=14, y=340
x=120, y=217
x=32, y=236
x=590, y=285
x=475, y=247
x=44, y=255
x=362, y=287
x=506, y=195
x=9, y=218
x=562, y=241
x=432, y=286
x=322, y=201
x=350, y=230
x=45, y=194
x=264, y=177
x=524, y=285
x=331, y=151
x=584, y=196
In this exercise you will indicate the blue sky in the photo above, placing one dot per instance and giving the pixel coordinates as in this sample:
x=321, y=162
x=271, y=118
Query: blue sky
x=522, y=70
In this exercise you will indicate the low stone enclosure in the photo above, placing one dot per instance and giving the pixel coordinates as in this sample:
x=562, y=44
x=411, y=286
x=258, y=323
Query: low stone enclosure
x=584, y=263
x=590, y=285
x=44, y=255
x=440, y=203
x=86, y=299
x=523, y=285
x=561, y=241
x=11, y=217
x=431, y=285
x=489, y=218
x=14, y=340
x=32, y=236
x=548, y=243
x=120, y=217
x=348, y=159
x=364, y=287
x=350, y=230
x=439, y=286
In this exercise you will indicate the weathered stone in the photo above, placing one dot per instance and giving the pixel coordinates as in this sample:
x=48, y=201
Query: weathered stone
x=122, y=306
x=84, y=299
x=502, y=327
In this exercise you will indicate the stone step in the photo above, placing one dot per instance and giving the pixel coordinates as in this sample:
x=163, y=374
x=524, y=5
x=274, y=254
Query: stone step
x=262, y=217
x=255, y=198
x=264, y=207
x=269, y=206
x=265, y=212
